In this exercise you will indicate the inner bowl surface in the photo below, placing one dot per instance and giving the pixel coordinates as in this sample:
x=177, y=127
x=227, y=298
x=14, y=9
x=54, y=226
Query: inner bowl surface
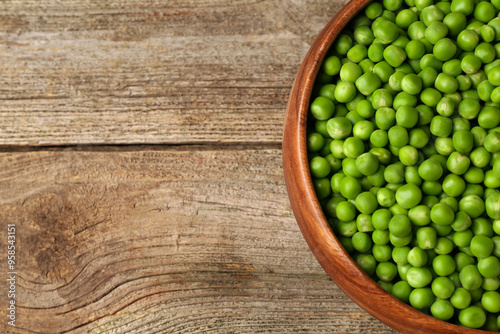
x=309, y=215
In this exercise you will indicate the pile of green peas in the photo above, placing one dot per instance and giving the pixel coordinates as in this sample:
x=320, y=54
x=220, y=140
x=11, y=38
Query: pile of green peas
x=404, y=152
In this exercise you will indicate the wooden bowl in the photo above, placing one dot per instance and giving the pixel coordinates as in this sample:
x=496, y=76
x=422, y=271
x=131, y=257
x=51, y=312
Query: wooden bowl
x=309, y=215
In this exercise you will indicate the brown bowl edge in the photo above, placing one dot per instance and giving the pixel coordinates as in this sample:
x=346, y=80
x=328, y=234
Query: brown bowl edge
x=309, y=215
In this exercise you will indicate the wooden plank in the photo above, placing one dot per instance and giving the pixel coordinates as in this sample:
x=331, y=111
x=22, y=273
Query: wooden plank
x=163, y=240
x=135, y=72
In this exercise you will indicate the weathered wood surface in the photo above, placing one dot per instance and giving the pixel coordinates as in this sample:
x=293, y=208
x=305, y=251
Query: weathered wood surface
x=191, y=232
x=150, y=71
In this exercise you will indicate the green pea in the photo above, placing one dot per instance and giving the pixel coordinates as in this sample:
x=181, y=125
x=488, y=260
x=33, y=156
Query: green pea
x=442, y=309
x=472, y=317
x=398, y=136
x=461, y=298
x=445, y=83
x=403, y=99
x=375, y=52
x=442, y=214
x=408, y=196
x=430, y=170
x=419, y=215
x=428, y=76
x=489, y=117
x=342, y=44
x=473, y=205
x=489, y=267
x=455, y=22
x=364, y=36
x=418, y=277
x=444, y=49
x=331, y=65
x=339, y=127
x=430, y=97
x=467, y=40
x=350, y=187
x=367, y=83
x=458, y=163
x=315, y=142
x=462, y=221
x=400, y=226
x=322, y=188
x=381, y=98
x=385, y=31
x=345, y=91
x=435, y=31
x=485, y=52
x=484, y=12
x=492, y=142
x=361, y=241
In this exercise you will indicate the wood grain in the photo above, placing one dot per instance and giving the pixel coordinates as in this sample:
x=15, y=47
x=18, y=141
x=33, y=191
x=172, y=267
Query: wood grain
x=163, y=240
x=135, y=72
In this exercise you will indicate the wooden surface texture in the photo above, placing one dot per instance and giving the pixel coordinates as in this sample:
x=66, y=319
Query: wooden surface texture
x=140, y=160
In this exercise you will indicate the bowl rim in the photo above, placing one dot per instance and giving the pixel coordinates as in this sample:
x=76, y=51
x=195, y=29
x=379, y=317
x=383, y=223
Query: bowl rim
x=312, y=222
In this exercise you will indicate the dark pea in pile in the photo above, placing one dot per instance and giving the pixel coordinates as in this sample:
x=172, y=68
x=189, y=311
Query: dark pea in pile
x=404, y=152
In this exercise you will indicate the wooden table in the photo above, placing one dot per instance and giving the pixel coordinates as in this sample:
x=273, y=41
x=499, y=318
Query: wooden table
x=140, y=162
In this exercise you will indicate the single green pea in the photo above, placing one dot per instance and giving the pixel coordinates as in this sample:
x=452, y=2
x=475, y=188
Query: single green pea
x=464, y=83
x=408, y=155
x=419, y=277
x=442, y=309
x=346, y=211
x=435, y=31
x=342, y=44
x=452, y=67
x=494, y=76
x=385, y=31
x=463, y=141
x=428, y=76
x=367, y=163
x=458, y=163
x=492, y=205
x=489, y=117
x=363, y=130
x=446, y=83
x=484, y=12
x=361, y=241
x=441, y=126
x=408, y=196
x=472, y=317
x=430, y=170
x=398, y=136
x=492, y=142
x=331, y=65
x=403, y=99
x=322, y=188
x=394, y=55
x=319, y=167
x=443, y=246
x=345, y=90
x=442, y=214
x=444, y=49
x=472, y=204
x=455, y=22
x=315, y=142
x=425, y=114
x=430, y=97
x=367, y=83
x=381, y=98
x=339, y=127
x=375, y=52
x=467, y=40
x=480, y=157
x=364, y=36
x=485, y=52
x=461, y=298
